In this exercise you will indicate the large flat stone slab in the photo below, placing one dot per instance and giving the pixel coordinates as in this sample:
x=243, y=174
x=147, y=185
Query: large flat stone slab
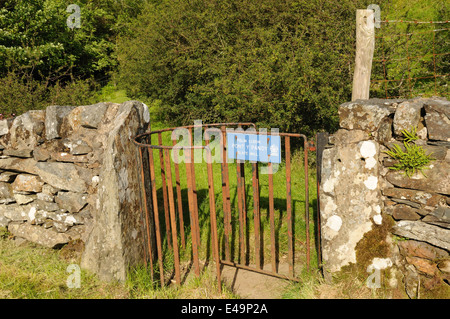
x=61, y=175
x=436, y=180
x=40, y=235
x=421, y=231
x=362, y=115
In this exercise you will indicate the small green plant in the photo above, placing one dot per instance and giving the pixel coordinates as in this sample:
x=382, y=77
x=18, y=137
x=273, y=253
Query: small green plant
x=411, y=160
x=3, y=233
x=410, y=136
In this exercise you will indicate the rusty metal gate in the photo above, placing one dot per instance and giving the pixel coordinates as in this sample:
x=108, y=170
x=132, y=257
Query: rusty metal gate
x=173, y=186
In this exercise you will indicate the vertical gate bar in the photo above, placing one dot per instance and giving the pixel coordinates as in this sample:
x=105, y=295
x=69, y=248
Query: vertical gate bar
x=239, y=196
x=213, y=217
x=241, y=220
x=172, y=217
x=225, y=196
x=306, y=201
x=179, y=198
x=272, y=219
x=156, y=215
x=164, y=189
x=321, y=142
x=194, y=186
x=147, y=221
x=256, y=215
x=194, y=229
x=244, y=210
x=287, y=143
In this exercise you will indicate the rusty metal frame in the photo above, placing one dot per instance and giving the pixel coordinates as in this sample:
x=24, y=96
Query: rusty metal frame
x=143, y=142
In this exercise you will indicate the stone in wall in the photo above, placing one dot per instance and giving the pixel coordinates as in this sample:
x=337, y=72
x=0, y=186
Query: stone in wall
x=27, y=130
x=365, y=115
x=116, y=238
x=440, y=216
x=61, y=175
x=6, y=193
x=54, y=116
x=4, y=127
x=407, y=115
x=436, y=179
x=437, y=119
x=349, y=197
x=422, y=231
x=39, y=235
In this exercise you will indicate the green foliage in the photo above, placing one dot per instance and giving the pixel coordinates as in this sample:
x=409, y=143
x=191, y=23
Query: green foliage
x=35, y=37
x=43, y=62
x=411, y=160
x=410, y=136
x=285, y=64
x=20, y=93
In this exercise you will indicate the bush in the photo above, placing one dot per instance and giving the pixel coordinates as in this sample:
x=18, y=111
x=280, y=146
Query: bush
x=35, y=37
x=285, y=64
x=20, y=93
x=78, y=92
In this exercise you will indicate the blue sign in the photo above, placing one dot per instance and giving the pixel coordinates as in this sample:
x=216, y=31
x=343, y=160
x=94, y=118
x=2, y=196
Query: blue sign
x=253, y=147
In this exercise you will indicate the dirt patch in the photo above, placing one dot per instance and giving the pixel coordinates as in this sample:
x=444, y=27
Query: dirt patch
x=252, y=285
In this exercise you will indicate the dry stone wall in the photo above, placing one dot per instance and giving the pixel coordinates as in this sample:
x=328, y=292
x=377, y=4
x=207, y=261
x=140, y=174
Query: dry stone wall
x=70, y=173
x=361, y=196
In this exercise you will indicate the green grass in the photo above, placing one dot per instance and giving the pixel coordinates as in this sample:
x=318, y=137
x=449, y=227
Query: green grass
x=110, y=93
x=29, y=271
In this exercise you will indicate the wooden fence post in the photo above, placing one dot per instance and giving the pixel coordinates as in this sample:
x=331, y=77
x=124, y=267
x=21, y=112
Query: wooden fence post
x=365, y=46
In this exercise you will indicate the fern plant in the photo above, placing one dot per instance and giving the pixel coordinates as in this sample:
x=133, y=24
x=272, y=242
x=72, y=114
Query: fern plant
x=411, y=160
x=410, y=136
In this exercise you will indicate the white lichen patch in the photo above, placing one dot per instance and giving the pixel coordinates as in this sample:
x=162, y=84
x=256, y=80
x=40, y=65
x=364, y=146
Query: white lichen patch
x=32, y=213
x=378, y=219
x=328, y=185
x=368, y=149
x=70, y=220
x=370, y=162
x=334, y=223
x=380, y=263
x=371, y=182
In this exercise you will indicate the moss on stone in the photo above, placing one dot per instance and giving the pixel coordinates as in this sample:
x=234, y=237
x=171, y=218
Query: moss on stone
x=374, y=244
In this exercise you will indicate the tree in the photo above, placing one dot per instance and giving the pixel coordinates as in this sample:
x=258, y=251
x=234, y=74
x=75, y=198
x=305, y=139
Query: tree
x=35, y=38
x=285, y=64
x=43, y=61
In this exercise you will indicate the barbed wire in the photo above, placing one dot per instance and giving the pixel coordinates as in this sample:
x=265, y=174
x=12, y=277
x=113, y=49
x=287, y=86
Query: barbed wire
x=402, y=81
x=413, y=21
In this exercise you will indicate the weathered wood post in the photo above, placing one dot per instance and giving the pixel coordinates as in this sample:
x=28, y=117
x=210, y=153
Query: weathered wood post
x=365, y=45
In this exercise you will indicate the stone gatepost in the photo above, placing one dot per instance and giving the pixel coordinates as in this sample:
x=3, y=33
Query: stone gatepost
x=350, y=192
